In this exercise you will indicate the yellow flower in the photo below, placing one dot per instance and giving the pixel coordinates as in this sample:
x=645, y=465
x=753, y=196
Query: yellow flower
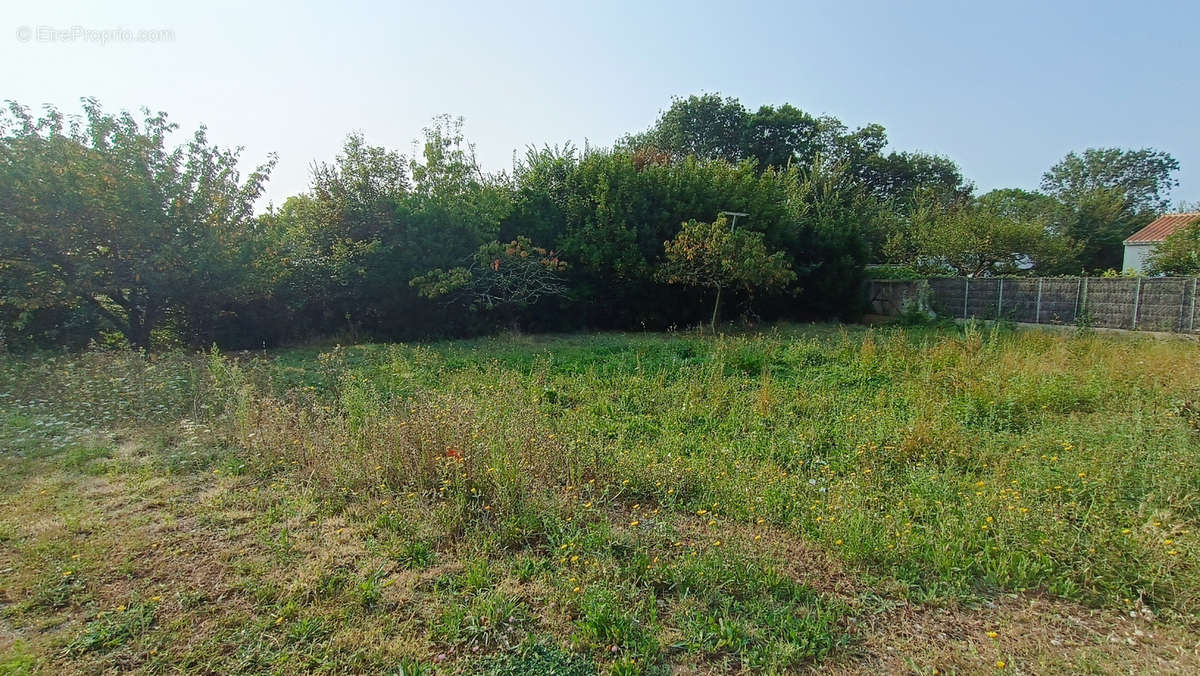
x=992, y=634
x=999, y=664
x=633, y=523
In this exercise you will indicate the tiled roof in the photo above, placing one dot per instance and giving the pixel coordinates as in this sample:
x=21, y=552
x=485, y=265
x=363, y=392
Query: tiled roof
x=1162, y=226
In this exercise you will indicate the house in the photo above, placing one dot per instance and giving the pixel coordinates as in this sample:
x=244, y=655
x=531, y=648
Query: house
x=1140, y=244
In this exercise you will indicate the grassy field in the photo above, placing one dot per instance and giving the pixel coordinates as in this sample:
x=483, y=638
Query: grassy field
x=926, y=501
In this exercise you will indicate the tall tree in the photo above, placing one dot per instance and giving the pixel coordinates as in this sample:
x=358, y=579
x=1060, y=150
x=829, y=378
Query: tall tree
x=896, y=178
x=707, y=126
x=1107, y=195
x=783, y=136
x=1144, y=177
x=100, y=209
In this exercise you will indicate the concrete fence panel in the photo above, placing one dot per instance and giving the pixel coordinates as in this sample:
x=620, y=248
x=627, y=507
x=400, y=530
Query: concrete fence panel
x=1145, y=303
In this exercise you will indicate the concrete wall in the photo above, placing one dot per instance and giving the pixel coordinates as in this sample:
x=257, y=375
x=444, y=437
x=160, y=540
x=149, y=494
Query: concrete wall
x=1150, y=304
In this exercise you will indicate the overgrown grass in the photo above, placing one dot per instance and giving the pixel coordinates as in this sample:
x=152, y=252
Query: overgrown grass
x=626, y=502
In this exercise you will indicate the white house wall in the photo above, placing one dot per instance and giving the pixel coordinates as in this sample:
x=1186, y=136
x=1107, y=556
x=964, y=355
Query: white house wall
x=1136, y=255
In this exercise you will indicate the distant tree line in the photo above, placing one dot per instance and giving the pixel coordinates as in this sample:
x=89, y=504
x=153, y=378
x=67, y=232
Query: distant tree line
x=111, y=232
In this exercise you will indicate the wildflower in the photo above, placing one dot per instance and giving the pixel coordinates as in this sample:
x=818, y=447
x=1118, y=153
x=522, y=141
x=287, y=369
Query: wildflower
x=992, y=634
x=999, y=664
x=633, y=523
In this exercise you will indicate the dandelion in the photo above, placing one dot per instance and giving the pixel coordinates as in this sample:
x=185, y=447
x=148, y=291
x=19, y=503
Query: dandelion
x=992, y=634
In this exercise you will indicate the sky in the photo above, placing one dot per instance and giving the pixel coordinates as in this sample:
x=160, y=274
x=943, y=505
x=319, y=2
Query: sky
x=1005, y=89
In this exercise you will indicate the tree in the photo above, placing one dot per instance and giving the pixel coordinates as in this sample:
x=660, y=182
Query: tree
x=714, y=256
x=1097, y=224
x=1143, y=177
x=973, y=239
x=706, y=126
x=1179, y=253
x=896, y=178
x=100, y=210
x=1107, y=195
x=783, y=136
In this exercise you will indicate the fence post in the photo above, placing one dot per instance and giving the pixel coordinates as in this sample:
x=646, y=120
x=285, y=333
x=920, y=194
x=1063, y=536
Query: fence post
x=1000, y=300
x=1137, y=298
x=1192, y=319
x=1182, y=302
x=1079, y=295
x=1037, y=312
x=1083, y=302
x=966, y=294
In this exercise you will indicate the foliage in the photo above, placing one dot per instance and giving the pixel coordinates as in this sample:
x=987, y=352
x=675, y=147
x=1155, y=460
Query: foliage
x=511, y=275
x=112, y=235
x=1108, y=194
x=1143, y=178
x=99, y=211
x=1178, y=254
x=715, y=256
x=987, y=236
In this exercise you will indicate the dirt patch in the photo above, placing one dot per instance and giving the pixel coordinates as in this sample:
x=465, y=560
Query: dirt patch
x=1021, y=634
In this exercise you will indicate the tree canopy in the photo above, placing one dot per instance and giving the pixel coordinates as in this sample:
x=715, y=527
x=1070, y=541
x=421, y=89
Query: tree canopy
x=115, y=227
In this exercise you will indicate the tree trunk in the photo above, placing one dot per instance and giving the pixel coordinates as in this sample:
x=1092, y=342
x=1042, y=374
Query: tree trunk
x=138, y=333
x=716, y=310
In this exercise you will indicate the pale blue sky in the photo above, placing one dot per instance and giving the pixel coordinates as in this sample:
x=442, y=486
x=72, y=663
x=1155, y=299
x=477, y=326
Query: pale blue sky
x=1004, y=88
